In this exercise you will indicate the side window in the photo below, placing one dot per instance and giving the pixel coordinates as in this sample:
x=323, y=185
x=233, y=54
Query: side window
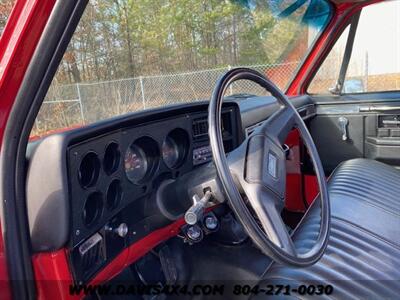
x=374, y=65
x=328, y=73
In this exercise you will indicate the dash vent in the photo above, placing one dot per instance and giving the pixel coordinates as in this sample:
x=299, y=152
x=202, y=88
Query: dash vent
x=200, y=127
x=92, y=252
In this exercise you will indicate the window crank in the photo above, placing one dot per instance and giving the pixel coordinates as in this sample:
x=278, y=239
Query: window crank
x=343, y=123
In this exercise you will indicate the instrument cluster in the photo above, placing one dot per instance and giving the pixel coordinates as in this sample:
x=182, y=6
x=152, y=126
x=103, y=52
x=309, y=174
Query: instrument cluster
x=109, y=171
x=117, y=170
x=143, y=155
x=140, y=162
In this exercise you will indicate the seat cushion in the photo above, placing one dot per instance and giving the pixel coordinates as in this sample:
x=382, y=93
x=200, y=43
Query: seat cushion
x=362, y=259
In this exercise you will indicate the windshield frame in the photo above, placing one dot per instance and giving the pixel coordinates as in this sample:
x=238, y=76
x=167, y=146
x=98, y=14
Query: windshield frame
x=329, y=22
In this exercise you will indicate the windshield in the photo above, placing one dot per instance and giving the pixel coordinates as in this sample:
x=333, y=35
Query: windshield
x=5, y=10
x=133, y=55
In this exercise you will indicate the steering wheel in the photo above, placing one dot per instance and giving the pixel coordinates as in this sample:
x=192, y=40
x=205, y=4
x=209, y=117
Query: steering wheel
x=257, y=170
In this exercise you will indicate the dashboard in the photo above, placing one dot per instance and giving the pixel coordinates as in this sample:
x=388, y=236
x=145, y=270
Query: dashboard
x=94, y=191
x=106, y=189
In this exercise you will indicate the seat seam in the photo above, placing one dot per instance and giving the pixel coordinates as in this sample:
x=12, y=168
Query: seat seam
x=362, y=229
x=367, y=203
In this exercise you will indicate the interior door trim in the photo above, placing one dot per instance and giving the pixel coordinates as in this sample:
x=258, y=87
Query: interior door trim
x=356, y=108
x=380, y=108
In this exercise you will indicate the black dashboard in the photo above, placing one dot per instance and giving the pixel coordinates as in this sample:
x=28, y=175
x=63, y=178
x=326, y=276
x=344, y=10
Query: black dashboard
x=106, y=189
x=94, y=190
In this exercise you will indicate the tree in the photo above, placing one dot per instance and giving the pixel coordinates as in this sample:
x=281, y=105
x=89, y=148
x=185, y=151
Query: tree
x=5, y=10
x=130, y=38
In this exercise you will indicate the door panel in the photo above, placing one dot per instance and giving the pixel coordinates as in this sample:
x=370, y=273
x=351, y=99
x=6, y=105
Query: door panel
x=327, y=134
x=373, y=128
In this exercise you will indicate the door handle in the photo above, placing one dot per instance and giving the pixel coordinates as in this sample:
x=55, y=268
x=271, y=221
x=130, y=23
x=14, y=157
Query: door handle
x=343, y=123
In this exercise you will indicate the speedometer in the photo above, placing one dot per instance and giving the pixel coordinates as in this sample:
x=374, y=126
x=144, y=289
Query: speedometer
x=141, y=159
x=136, y=164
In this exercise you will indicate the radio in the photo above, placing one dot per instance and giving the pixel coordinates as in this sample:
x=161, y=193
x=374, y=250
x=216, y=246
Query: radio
x=202, y=155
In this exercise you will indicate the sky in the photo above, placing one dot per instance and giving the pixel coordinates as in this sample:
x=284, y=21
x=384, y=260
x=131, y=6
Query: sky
x=378, y=35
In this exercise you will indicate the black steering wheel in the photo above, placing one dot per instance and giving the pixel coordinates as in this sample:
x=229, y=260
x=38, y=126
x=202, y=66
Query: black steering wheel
x=256, y=170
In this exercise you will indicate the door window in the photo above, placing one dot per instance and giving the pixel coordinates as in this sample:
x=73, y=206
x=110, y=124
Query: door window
x=374, y=64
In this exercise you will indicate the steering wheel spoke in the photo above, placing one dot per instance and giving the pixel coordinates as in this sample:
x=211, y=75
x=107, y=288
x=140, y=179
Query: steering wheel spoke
x=266, y=207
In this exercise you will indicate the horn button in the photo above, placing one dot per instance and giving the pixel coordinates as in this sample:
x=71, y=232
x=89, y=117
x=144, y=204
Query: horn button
x=266, y=164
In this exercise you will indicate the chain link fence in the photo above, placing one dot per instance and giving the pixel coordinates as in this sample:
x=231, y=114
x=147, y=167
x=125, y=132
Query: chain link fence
x=83, y=103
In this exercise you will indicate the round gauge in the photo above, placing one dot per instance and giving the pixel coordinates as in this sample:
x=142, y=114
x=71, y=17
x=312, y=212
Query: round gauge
x=170, y=152
x=136, y=164
x=175, y=148
x=141, y=159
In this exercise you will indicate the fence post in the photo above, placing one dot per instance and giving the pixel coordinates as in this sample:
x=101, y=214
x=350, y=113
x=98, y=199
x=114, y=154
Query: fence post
x=142, y=90
x=231, y=85
x=80, y=103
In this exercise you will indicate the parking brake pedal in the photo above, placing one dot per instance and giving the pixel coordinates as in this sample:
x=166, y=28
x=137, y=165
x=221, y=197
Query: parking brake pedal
x=196, y=212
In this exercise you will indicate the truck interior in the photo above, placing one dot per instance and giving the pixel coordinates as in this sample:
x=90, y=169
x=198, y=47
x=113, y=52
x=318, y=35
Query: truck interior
x=289, y=187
